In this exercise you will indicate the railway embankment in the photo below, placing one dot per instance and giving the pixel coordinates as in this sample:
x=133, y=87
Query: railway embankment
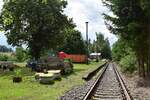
x=138, y=87
x=102, y=86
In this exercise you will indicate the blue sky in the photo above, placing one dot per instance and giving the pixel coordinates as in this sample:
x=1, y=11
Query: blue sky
x=82, y=11
x=3, y=40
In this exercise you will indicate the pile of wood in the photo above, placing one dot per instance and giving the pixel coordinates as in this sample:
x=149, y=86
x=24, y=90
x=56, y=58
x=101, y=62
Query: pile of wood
x=4, y=65
x=48, y=77
x=54, y=63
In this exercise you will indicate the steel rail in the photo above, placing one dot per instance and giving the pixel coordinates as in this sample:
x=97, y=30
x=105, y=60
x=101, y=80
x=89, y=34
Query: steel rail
x=120, y=80
x=123, y=86
x=89, y=93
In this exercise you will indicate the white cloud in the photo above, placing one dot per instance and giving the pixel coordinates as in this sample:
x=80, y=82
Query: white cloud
x=91, y=11
x=82, y=11
x=1, y=4
x=3, y=40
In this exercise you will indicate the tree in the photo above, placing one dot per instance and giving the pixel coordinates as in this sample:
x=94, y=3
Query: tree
x=39, y=24
x=101, y=45
x=74, y=43
x=100, y=42
x=119, y=50
x=130, y=24
x=106, y=50
x=145, y=4
x=125, y=56
x=20, y=54
x=5, y=49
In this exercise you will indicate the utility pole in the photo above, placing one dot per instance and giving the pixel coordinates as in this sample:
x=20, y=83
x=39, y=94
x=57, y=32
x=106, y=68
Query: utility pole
x=87, y=41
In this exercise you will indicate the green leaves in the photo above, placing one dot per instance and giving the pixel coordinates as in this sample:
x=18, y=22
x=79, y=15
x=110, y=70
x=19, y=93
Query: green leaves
x=74, y=43
x=20, y=54
x=120, y=49
x=129, y=63
x=129, y=22
x=145, y=4
x=39, y=24
x=101, y=45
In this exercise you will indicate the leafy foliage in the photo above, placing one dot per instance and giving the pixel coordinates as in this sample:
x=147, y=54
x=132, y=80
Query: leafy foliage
x=119, y=50
x=74, y=43
x=20, y=54
x=131, y=23
x=106, y=50
x=39, y=24
x=4, y=57
x=18, y=73
x=124, y=56
x=101, y=45
x=128, y=63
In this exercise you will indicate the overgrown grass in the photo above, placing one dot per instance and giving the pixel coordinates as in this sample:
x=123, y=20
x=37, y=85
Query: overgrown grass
x=128, y=64
x=30, y=89
x=7, y=56
x=6, y=53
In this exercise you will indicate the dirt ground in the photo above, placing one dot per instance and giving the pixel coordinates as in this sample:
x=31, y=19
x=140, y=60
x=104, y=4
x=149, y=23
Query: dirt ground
x=138, y=87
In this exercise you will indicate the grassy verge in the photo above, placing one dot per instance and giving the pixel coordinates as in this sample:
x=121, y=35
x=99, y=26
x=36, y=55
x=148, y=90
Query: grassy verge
x=30, y=89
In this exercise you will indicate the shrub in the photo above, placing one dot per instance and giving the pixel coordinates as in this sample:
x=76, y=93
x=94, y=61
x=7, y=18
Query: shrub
x=128, y=63
x=11, y=58
x=3, y=57
x=18, y=73
x=20, y=54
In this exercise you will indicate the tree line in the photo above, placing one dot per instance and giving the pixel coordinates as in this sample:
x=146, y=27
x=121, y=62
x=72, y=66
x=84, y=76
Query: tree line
x=131, y=23
x=5, y=49
x=101, y=45
x=42, y=26
x=38, y=24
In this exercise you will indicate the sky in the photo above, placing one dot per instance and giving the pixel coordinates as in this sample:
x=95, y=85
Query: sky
x=3, y=40
x=82, y=11
x=89, y=11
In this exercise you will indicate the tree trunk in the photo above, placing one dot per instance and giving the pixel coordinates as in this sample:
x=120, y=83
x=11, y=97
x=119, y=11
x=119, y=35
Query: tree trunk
x=149, y=60
x=143, y=67
x=147, y=66
x=139, y=65
x=149, y=46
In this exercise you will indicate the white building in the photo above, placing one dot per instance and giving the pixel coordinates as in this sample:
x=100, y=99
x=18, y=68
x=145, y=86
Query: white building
x=95, y=55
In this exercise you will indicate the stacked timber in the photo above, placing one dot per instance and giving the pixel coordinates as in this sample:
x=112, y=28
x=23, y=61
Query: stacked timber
x=49, y=77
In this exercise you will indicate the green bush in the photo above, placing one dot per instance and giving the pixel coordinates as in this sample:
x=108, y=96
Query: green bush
x=20, y=54
x=3, y=57
x=128, y=63
x=11, y=58
x=67, y=60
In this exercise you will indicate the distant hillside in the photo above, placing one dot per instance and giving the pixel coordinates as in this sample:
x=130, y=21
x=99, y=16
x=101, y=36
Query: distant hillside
x=5, y=49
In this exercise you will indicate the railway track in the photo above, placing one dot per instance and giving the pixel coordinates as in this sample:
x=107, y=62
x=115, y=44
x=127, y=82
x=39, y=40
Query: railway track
x=108, y=86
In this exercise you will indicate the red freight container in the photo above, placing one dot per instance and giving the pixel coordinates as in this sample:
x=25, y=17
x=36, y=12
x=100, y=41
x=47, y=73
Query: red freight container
x=62, y=55
x=77, y=58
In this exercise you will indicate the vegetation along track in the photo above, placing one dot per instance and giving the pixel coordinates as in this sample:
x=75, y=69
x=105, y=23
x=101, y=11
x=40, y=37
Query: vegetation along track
x=108, y=86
